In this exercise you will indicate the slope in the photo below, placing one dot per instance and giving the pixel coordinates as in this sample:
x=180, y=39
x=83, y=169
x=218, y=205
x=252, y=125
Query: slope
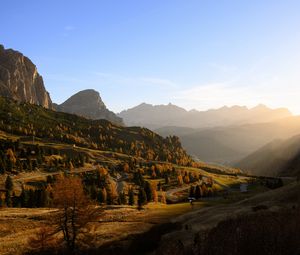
x=278, y=158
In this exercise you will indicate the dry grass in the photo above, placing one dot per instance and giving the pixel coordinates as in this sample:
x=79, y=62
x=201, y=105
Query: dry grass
x=115, y=223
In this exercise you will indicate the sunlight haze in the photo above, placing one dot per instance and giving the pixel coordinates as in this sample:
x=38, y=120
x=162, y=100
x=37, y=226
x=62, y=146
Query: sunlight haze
x=195, y=54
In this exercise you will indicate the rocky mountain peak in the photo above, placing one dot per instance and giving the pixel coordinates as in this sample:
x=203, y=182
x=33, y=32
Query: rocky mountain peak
x=88, y=103
x=20, y=80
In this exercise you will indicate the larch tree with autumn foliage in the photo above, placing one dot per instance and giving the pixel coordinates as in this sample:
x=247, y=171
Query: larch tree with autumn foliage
x=75, y=210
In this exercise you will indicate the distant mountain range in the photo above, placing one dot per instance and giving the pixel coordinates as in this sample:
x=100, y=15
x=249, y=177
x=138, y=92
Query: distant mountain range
x=228, y=145
x=88, y=104
x=158, y=116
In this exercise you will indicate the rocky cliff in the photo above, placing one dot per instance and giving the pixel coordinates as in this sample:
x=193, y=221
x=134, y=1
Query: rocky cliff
x=88, y=103
x=20, y=80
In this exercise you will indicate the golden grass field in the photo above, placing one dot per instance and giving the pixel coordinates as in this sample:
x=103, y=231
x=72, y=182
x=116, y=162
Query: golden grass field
x=114, y=223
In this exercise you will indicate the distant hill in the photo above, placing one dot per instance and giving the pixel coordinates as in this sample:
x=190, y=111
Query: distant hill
x=228, y=145
x=88, y=103
x=277, y=158
x=27, y=120
x=20, y=80
x=157, y=116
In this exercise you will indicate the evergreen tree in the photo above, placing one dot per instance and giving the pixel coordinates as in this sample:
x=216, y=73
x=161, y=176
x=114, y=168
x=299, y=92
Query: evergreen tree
x=122, y=199
x=8, y=201
x=131, y=197
x=31, y=199
x=45, y=198
x=93, y=192
x=9, y=183
x=192, y=191
x=167, y=179
x=148, y=191
x=24, y=198
x=197, y=192
x=102, y=196
x=142, y=198
x=15, y=200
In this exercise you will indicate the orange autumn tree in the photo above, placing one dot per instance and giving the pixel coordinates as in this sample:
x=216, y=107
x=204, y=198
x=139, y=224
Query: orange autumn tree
x=75, y=209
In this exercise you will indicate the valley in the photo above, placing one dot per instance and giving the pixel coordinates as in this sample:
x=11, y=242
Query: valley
x=77, y=178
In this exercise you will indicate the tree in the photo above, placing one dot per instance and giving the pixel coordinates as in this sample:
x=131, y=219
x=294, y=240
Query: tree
x=142, y=198
x=42, y=241
x=192, y=191
x=24, y=198
x=197, y=192
x=122, y=198
x=112, y=194
x=131, y=197
x=148, y=191
x=102, y=196
x=163, y=199
x=93, y=192
x=179, y=180
x=155, y=194
x=8, y=198
x=167, y=179
x=9, y=183
x=75, y=209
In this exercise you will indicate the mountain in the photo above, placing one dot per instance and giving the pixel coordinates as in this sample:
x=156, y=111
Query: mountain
x=228, y=145
x=88, y=103
x=157, y=116
x=153, y=116
x=20, y=80
x=26, y=121
x=277, y=158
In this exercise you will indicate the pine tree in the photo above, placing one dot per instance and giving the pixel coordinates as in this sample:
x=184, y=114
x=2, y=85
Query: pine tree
x=197, y=192
x=9, y=183
x=102, y=196
x=31, y=199
x=24, y=198
x=131, y=197
x=142, y=198
x=15, y=200
x=148, y=191
x=122, y=198
x=192, y=192
x=8, y=198
x=45, y=198
x=93, y=192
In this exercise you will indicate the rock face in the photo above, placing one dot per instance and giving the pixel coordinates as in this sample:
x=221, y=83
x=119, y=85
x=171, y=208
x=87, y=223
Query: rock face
x=20, y=80
x=88, y=103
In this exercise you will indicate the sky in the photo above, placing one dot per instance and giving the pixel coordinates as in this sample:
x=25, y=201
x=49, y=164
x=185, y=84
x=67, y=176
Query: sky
x=197, y=54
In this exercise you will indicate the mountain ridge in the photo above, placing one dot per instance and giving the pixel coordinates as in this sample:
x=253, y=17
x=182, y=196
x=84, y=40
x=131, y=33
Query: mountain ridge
x=280, y=157
x=158, y=116
x=230, y=144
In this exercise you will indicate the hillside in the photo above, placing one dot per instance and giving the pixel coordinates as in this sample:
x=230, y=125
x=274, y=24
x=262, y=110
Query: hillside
x=158, y=116
x=278, y=158
x=88, y=103
x=20, y=80
x=228, y=145
x=27, y=120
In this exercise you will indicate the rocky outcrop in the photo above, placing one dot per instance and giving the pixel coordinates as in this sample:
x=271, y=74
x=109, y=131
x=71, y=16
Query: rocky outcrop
x=20, y=80
x=88, y=103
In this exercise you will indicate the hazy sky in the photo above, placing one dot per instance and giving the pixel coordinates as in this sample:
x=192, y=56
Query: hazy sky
x=196, y=54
